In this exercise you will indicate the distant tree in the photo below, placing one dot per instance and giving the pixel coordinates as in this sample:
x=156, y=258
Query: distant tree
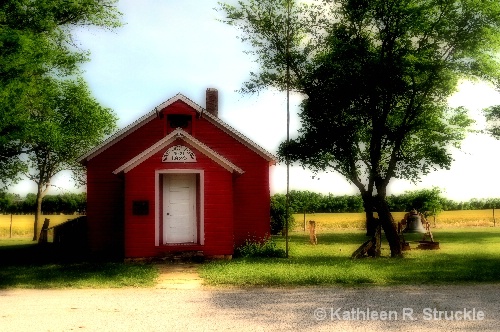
x=81, y=203
x=354, y=203
x=28, y=204
x=427, y=200
x=69, y=203
x=65, y=121
x=9, y=202
x=51, y=204
x=492, y=203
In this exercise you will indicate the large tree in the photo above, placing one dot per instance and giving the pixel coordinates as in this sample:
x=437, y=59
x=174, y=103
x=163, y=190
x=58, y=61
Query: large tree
x=36, y=42
x=376, y=75
x=47, y=114
x=64, y=122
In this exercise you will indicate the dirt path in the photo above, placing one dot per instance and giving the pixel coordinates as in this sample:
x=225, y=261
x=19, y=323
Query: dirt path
x=179, y=276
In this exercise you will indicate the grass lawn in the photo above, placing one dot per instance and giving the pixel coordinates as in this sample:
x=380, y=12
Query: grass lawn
x=470, y=252
x=24, y=264
x=466, y=255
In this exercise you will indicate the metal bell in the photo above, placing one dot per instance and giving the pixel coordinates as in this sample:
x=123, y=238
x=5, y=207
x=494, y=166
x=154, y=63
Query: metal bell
x=414, y=224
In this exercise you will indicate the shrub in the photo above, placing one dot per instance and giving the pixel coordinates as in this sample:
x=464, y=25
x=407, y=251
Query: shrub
x=262, y=248
x=278, y=214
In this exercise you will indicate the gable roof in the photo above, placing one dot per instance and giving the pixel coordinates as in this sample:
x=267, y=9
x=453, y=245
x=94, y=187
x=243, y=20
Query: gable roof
x=119, y=135
x=165, y=141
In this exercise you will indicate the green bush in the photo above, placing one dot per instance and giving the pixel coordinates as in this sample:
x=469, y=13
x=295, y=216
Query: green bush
x=262, y=248
x=278, y=214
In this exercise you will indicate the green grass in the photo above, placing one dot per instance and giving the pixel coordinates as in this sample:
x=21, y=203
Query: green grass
x=466, y=255
x=78, y=275
x=24, y=264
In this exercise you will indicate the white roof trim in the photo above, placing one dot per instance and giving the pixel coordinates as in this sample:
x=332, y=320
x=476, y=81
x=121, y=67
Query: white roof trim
x=178, y=134
x=119, y=135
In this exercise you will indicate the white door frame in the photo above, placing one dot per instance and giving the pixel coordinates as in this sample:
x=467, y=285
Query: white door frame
x=158, y=203
x=180, y=220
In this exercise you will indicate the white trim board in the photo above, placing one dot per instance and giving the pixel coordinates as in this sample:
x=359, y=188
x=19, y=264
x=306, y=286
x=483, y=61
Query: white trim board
x=164, y=142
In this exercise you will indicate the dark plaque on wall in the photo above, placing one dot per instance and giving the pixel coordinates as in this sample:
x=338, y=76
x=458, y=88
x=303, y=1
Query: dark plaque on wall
x=140, y=208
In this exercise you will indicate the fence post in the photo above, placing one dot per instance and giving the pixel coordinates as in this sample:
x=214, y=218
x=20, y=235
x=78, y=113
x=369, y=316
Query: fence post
x=312, y=232
x=494, y=221
x=43, y=232
x=304, y=220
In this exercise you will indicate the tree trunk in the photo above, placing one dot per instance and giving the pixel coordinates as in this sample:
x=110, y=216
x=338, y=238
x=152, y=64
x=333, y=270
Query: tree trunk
x=38, y=212
x=370, y=248
x=371, y=221
x=389, y=226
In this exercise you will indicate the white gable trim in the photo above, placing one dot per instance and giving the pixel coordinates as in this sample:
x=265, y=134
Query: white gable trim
x=178, y=134
x=119, y=135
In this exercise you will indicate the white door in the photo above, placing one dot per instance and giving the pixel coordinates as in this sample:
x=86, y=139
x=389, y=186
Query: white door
x=179, y=208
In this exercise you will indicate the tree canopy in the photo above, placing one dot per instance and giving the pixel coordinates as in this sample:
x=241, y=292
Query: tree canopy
x=36, y=42
x=65, y=121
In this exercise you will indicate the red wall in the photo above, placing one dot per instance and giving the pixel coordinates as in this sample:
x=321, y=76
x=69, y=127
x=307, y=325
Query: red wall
x=251, y=189
x=218, y=208
x=236, y=206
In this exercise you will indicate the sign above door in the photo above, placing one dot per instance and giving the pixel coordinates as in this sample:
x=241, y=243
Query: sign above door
x=179, y=153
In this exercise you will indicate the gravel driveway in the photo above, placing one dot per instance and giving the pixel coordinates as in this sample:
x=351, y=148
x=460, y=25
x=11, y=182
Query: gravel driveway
x=202, y=308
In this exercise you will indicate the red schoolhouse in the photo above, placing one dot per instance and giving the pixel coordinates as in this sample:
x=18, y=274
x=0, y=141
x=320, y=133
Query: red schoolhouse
x=177, y=179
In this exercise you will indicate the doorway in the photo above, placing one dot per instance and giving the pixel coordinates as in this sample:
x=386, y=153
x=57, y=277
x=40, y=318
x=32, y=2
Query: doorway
x=179, y=208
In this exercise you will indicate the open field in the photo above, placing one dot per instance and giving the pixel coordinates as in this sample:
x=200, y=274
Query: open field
x=22, y=225
x=445, y=219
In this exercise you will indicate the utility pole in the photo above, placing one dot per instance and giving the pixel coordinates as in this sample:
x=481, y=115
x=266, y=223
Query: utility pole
x=287, y=206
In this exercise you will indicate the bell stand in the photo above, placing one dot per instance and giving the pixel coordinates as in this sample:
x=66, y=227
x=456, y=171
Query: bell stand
x=423, y=244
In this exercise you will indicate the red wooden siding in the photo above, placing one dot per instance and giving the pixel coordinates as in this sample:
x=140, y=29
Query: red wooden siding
x=218, y=213
x=251, y=189
x=236, y=207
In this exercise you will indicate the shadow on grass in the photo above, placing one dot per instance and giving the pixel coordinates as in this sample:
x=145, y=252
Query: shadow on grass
x=35, y=254
x=46, y=266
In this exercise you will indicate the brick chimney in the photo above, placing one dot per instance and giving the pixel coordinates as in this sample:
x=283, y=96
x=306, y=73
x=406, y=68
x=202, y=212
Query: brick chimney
x=212, y=101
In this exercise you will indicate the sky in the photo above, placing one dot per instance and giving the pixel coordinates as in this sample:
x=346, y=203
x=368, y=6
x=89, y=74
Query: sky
x=170, y=46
